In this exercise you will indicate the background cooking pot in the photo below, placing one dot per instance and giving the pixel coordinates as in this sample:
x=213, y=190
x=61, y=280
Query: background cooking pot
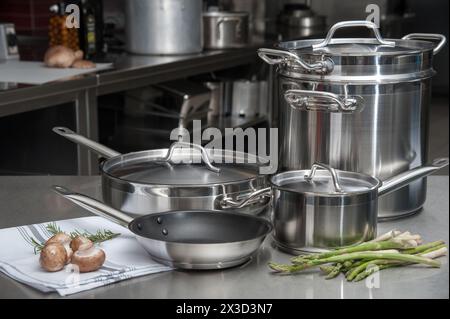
x=359, y=104
x=327, y=208
x=224, y=30
x=164, y=26
x=179, y=178
x=187, y=239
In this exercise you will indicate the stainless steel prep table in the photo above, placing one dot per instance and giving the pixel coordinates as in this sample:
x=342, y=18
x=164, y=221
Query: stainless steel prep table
x=27, y=200
x=129, y=72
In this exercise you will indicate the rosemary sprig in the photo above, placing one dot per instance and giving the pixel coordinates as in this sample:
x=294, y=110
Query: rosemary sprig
x=97, y=237
x=53, y=229
x=37, y=246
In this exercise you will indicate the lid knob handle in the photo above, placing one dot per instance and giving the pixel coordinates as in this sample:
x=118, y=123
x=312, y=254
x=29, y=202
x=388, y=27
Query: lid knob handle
x=334, y=177
x=348, y=24
x=204, y=154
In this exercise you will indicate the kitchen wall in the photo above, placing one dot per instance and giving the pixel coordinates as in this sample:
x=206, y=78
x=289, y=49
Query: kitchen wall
x=29, y=16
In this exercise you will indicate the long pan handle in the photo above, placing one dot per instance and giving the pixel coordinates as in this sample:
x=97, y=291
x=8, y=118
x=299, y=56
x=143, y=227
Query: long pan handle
x=405, y=178
x=90, y=144
x=94, y=206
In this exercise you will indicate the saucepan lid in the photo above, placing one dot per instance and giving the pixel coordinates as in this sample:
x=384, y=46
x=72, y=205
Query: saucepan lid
x=185, y=164
x=323, y=180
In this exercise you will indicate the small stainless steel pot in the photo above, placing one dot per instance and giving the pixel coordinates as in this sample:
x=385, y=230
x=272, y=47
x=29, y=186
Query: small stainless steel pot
x=327, y=208
x=223, y=30
x=192, y=239
x=179, y=178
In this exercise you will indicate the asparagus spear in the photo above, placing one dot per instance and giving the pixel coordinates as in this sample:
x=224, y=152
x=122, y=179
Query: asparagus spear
x=368, y=265
x=335, y=272
x=327, y=269
x=422, y=248
x=431, y=253
x=372, y=246
x=354, y=256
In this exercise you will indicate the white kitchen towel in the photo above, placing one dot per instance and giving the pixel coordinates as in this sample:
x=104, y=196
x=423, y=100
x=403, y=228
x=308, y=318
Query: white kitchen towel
x=125, y=258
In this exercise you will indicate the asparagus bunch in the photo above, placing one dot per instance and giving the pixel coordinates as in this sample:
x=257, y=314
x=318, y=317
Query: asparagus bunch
x=392, y=249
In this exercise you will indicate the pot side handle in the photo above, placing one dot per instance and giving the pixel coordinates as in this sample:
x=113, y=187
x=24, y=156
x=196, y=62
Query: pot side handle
x=228, y=203
x=403, y=179
x=322, y=101
x=428, y=36
x=274, y=57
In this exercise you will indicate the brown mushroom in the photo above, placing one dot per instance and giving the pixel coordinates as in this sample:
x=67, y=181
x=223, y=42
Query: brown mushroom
x=60, y=57
x=53, y=257
x=89, y=260
x=65, y=240
x=83, y=64
x=80, y=243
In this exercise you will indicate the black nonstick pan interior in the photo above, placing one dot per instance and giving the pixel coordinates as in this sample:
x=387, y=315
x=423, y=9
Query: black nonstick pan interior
x=200, y=227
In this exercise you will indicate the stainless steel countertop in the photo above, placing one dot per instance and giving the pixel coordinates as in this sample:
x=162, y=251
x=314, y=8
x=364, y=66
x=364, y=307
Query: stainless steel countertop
x=130, y=71
x=27, y=200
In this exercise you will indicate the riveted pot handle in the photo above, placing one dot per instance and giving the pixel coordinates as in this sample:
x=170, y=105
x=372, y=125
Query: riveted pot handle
x=428, y=36
x=229, y=203
x=273, y=57
x=348, y=24
x=322, y=101
x=204, y=154
x=334, y=177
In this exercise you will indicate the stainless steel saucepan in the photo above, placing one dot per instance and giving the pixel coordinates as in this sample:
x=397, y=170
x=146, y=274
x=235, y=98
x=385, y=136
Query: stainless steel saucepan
x=191, y=239
x=324, y=208
x=185, y=176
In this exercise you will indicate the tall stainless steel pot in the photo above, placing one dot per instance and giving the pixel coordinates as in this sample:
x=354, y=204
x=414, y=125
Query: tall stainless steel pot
x=358, y=104
x=164, y=26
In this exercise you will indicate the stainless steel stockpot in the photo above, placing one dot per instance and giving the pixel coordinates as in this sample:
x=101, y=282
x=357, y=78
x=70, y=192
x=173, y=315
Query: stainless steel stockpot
x=192, y=239
x=225, y=30
x=324, y=208
x=163, y=27
x=179, y=178
x=359, y=104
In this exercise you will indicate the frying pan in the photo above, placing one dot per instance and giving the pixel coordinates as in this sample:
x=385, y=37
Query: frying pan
x=189, y=239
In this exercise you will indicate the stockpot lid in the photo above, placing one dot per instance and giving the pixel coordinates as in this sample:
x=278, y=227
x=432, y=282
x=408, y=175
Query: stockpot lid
x=323, y=180
x=181, y=165
x=341, y=59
